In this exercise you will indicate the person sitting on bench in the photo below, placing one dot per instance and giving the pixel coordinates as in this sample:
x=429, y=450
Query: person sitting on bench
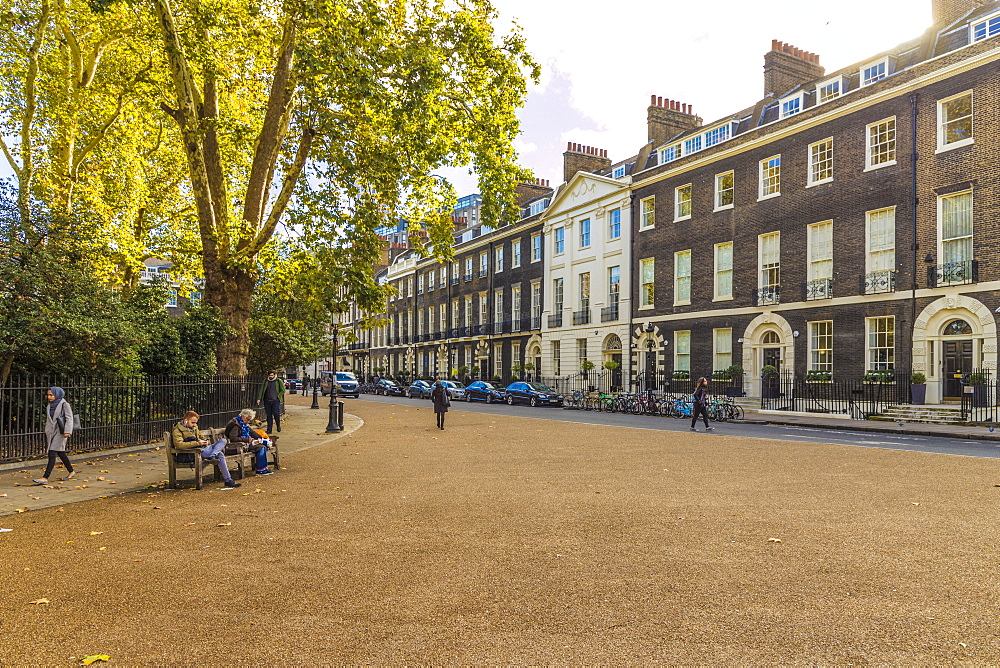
x=187, y=437
x=240, y=430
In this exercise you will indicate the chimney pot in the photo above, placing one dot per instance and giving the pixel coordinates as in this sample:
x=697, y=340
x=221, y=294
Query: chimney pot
x=652, y=100
x=775, y=45
x=659, y=101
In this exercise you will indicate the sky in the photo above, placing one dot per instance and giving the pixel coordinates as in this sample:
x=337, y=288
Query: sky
x=602, y=61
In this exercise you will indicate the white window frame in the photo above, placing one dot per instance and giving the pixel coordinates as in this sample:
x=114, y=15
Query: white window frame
x=536, y=247
x=443, y=317
x=618, y=172
x=515, y=307
x=814, y=149
x=884, y=62
x=515, y=253
x=731, y=190
x=558, y=295
x=647, y=298
x=556, y=358
x=941, y=129
x=671, y=153
x=841, y=83
x=484, y=263
x=647, y=216
x=498, y=259
x=940, y=227
x=719, y=271
x=760, y=262
x=679, y=203
x=484, y=308
x=682, y=282
x=763, y=165
x=584, y=287
x=615, y=224
x=869, y=236
x=871, y=337
x=497, y=307
x=722, y=334
x=558, y=241
x=812, y=259
x=820, y=334
x=469, y=262
x=420, y=284
x=791, y=105
x=468, y=310
x=869, y=156
x=585, y=233
x=985, y=21
x=455, y=313
x=682, y=359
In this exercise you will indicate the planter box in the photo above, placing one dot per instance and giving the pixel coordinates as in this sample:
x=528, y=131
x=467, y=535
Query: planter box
x=918, y=394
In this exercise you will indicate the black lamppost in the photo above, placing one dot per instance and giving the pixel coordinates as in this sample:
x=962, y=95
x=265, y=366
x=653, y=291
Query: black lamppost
x=333, y=426
x=650, y=344
x=315, y=384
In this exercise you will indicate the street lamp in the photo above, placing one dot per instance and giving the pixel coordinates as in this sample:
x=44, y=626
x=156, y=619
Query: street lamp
x=333, y=426
x=315, y=384
x=650, y=344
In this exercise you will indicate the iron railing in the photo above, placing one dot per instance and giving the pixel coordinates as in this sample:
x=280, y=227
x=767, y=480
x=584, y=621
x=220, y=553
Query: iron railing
x=820, y=288
x=765, y=296
x=609, y=313
x=878, y=281
x=857, y=397
x=555, y=320
x=117, y=411
x=979, y=396
x=953, y=273
x=581, y=317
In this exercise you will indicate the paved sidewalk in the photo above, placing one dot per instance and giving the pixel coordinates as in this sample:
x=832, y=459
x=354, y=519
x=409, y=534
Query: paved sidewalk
x=112, y=472
x=944, y=430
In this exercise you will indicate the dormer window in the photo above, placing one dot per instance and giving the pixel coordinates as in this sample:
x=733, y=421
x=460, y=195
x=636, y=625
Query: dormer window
x=988, y=27
x=619, y=172
x=692, y=145
x=829, y=90
x=875, y=71
x=719, y=134
x=791, y=105
x=670, y=153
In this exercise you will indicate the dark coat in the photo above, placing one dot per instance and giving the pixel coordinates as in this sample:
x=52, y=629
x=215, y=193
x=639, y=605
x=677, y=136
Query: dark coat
x=439, y=396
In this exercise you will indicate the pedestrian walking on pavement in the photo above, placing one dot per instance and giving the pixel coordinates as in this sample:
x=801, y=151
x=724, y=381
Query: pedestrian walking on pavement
x=700, y=404
x=272, y=394
x=58, y=428
x=439, y=397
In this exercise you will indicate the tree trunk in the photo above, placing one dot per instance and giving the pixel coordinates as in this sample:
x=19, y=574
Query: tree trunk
x=231, y=290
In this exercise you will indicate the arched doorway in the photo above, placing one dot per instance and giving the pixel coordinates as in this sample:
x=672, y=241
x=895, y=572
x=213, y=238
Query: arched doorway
x=952, y=336
x=612, y=352
x=767, y=340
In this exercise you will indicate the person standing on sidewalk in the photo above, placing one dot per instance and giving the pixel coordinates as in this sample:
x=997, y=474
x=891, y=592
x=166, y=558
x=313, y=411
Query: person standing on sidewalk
x=700, y=404
x=58, y=428
x=439, y=397
x=186, y=436
x=272, y=394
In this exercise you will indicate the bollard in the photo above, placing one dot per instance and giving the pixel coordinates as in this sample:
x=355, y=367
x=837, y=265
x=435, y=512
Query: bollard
x=340, y=415
x=333, y=425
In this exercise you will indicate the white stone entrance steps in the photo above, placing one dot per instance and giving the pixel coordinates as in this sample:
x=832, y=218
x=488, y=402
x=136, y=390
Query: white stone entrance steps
x=927, y=414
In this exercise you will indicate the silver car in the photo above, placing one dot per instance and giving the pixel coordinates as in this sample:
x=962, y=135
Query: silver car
x=455, y=389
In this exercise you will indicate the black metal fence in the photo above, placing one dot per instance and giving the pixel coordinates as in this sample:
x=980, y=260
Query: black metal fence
x=857, y=397
x=117, y=411
x=979, y=395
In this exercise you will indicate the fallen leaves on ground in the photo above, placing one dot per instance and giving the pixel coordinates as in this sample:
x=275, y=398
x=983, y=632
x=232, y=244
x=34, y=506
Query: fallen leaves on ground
x=22, y=510
x=96, y=533
x=773, y=540
x=224, y=524
x=39, y=601
x=94, y=658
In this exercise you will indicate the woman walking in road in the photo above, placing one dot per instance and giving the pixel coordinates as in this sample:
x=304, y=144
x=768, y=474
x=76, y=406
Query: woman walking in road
x=439, y=396
x=699, y=405
x=58, y=427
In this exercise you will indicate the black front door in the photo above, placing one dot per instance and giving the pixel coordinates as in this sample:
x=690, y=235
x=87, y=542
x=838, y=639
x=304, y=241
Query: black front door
x=957, y=361
x=772, y=357
x=616, y=375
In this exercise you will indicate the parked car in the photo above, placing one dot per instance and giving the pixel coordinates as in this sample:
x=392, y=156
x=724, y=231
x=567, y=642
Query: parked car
x=293, y=384
x=480, y=390
x=533, y=394
x=347, y=383
x=387, y=387
x=419, y=389
x=455, y=389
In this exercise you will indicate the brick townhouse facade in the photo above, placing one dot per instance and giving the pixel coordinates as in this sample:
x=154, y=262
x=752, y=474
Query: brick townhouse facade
x=845, y=222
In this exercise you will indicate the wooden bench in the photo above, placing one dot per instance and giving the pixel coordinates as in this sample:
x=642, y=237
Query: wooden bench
x=241, y=458
x=274, y=458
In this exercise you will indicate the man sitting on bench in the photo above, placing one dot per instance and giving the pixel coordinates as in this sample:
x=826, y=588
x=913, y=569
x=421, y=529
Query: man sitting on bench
x=241, y=430
x=187, y=437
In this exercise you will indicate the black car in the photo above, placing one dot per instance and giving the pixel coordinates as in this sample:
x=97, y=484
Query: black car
x=388, y=388
x=533, y=394
x=483, y=391
x=419, y=389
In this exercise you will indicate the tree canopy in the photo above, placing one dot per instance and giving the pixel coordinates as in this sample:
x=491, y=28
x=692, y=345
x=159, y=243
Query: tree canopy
x=207, y=131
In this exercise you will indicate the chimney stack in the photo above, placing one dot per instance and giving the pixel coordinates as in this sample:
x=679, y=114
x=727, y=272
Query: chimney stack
x=667, y=118
x=529, y=190
x=949, y=10
x=786, y=67
x=579, y=158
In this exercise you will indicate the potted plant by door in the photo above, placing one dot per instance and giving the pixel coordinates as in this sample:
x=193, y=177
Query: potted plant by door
x=768, y=375
x=529, y=367
x=980, y=396
x=918, y=388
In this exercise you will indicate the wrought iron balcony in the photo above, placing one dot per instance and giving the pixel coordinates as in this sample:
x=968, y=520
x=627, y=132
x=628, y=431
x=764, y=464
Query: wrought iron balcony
x=515, y=324
x=819, y=288
x=536, y=322
x=878, y=281
x=581, y=317
x=609, y=313
x=555, y=320
x=454, y=280
x=953, y=273
x=501, y=327
x=482, y=330
x=482, y=272
x=404, y=340
x=765, y=296
x=454, y=332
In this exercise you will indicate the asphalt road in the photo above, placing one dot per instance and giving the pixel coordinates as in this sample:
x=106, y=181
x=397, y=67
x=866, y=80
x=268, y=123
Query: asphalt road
x=905, y=442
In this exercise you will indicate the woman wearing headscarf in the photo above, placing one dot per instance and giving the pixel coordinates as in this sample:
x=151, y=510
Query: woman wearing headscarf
x=58, y=428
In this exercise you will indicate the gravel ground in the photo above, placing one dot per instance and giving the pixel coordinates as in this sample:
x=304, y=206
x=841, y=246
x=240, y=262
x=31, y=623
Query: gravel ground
x=522, y=541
